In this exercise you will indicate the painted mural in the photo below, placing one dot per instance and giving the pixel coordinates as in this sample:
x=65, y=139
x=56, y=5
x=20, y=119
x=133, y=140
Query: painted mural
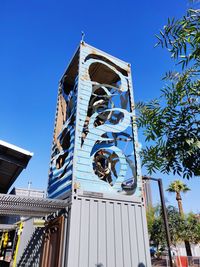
x=94, y=137
x=105, y=157
x=61, y=166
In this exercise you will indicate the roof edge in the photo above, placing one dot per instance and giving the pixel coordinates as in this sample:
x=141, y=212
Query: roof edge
x=16, y=148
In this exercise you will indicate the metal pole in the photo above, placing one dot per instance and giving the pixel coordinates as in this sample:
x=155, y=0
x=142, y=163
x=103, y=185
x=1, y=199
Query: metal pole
x=165, y=220
x=160, y=185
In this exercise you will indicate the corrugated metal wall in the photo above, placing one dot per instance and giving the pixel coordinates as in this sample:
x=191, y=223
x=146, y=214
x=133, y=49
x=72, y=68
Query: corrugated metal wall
x=97, y=69
x=107, y=233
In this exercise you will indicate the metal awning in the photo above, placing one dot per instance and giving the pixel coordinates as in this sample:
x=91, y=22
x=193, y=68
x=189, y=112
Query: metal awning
x=29, y=206
x=7, y=227
x=13, y=160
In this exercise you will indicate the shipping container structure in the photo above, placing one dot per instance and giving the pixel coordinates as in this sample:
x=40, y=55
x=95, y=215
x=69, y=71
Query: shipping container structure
x=95, y=164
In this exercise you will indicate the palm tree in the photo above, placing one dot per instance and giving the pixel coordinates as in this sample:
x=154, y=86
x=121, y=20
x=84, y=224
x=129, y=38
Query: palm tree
x=179, y=187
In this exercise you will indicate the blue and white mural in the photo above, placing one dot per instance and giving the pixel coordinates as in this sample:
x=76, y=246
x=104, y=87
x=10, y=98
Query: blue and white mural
x=61, y=166
x=94, y=147
x=105, y=153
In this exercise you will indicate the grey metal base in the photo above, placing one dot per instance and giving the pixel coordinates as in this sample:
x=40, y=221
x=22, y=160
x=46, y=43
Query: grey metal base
x=106, y=233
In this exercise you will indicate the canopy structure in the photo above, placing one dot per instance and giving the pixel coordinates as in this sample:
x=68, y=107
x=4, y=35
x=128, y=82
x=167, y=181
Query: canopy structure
x=7, y=227
x=29, y=206
x=13, y=160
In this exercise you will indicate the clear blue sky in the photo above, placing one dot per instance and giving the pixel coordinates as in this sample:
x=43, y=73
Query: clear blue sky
x=39, y=37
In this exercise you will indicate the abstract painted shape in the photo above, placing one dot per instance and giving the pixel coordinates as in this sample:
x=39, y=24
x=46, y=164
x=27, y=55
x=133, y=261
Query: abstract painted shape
x=94, y=136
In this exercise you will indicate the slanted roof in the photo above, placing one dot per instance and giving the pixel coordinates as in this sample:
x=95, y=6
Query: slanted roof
x=13, y=160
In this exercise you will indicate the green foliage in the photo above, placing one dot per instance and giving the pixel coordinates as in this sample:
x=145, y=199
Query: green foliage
x=151, y=213
x=175, y=224
x=182, y=38
x=191, y=228
x=177, y=187
x=181, y=228
x=157, y=233
x=171, y=123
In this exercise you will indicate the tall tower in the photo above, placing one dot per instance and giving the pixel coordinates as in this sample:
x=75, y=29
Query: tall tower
x=95, y=163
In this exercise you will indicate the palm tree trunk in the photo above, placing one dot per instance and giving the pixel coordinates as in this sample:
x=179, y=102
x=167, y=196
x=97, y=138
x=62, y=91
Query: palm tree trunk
x=180, y=208
x=179, y=200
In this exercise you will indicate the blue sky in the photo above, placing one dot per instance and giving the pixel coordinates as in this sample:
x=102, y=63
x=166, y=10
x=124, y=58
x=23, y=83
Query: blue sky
x=38, y=38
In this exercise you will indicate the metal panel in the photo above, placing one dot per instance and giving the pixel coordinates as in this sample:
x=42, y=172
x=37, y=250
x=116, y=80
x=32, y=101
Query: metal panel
x=84, y=234
x=110, y=235
x=73, y=235
x=106, y=233
x=95, y=144
x=101, y=238
x=126, y=235
x=119, y=246
x=28, y=230
x=60, y=173
x=105, y=132
x=133, y=234
x=93, y=226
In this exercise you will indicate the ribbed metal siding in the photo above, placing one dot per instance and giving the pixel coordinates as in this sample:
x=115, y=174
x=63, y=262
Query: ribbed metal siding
x=83, y=173
x=107, y=233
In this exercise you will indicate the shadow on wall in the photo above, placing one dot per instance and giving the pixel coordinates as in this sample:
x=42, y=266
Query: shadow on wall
x=32, y=253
